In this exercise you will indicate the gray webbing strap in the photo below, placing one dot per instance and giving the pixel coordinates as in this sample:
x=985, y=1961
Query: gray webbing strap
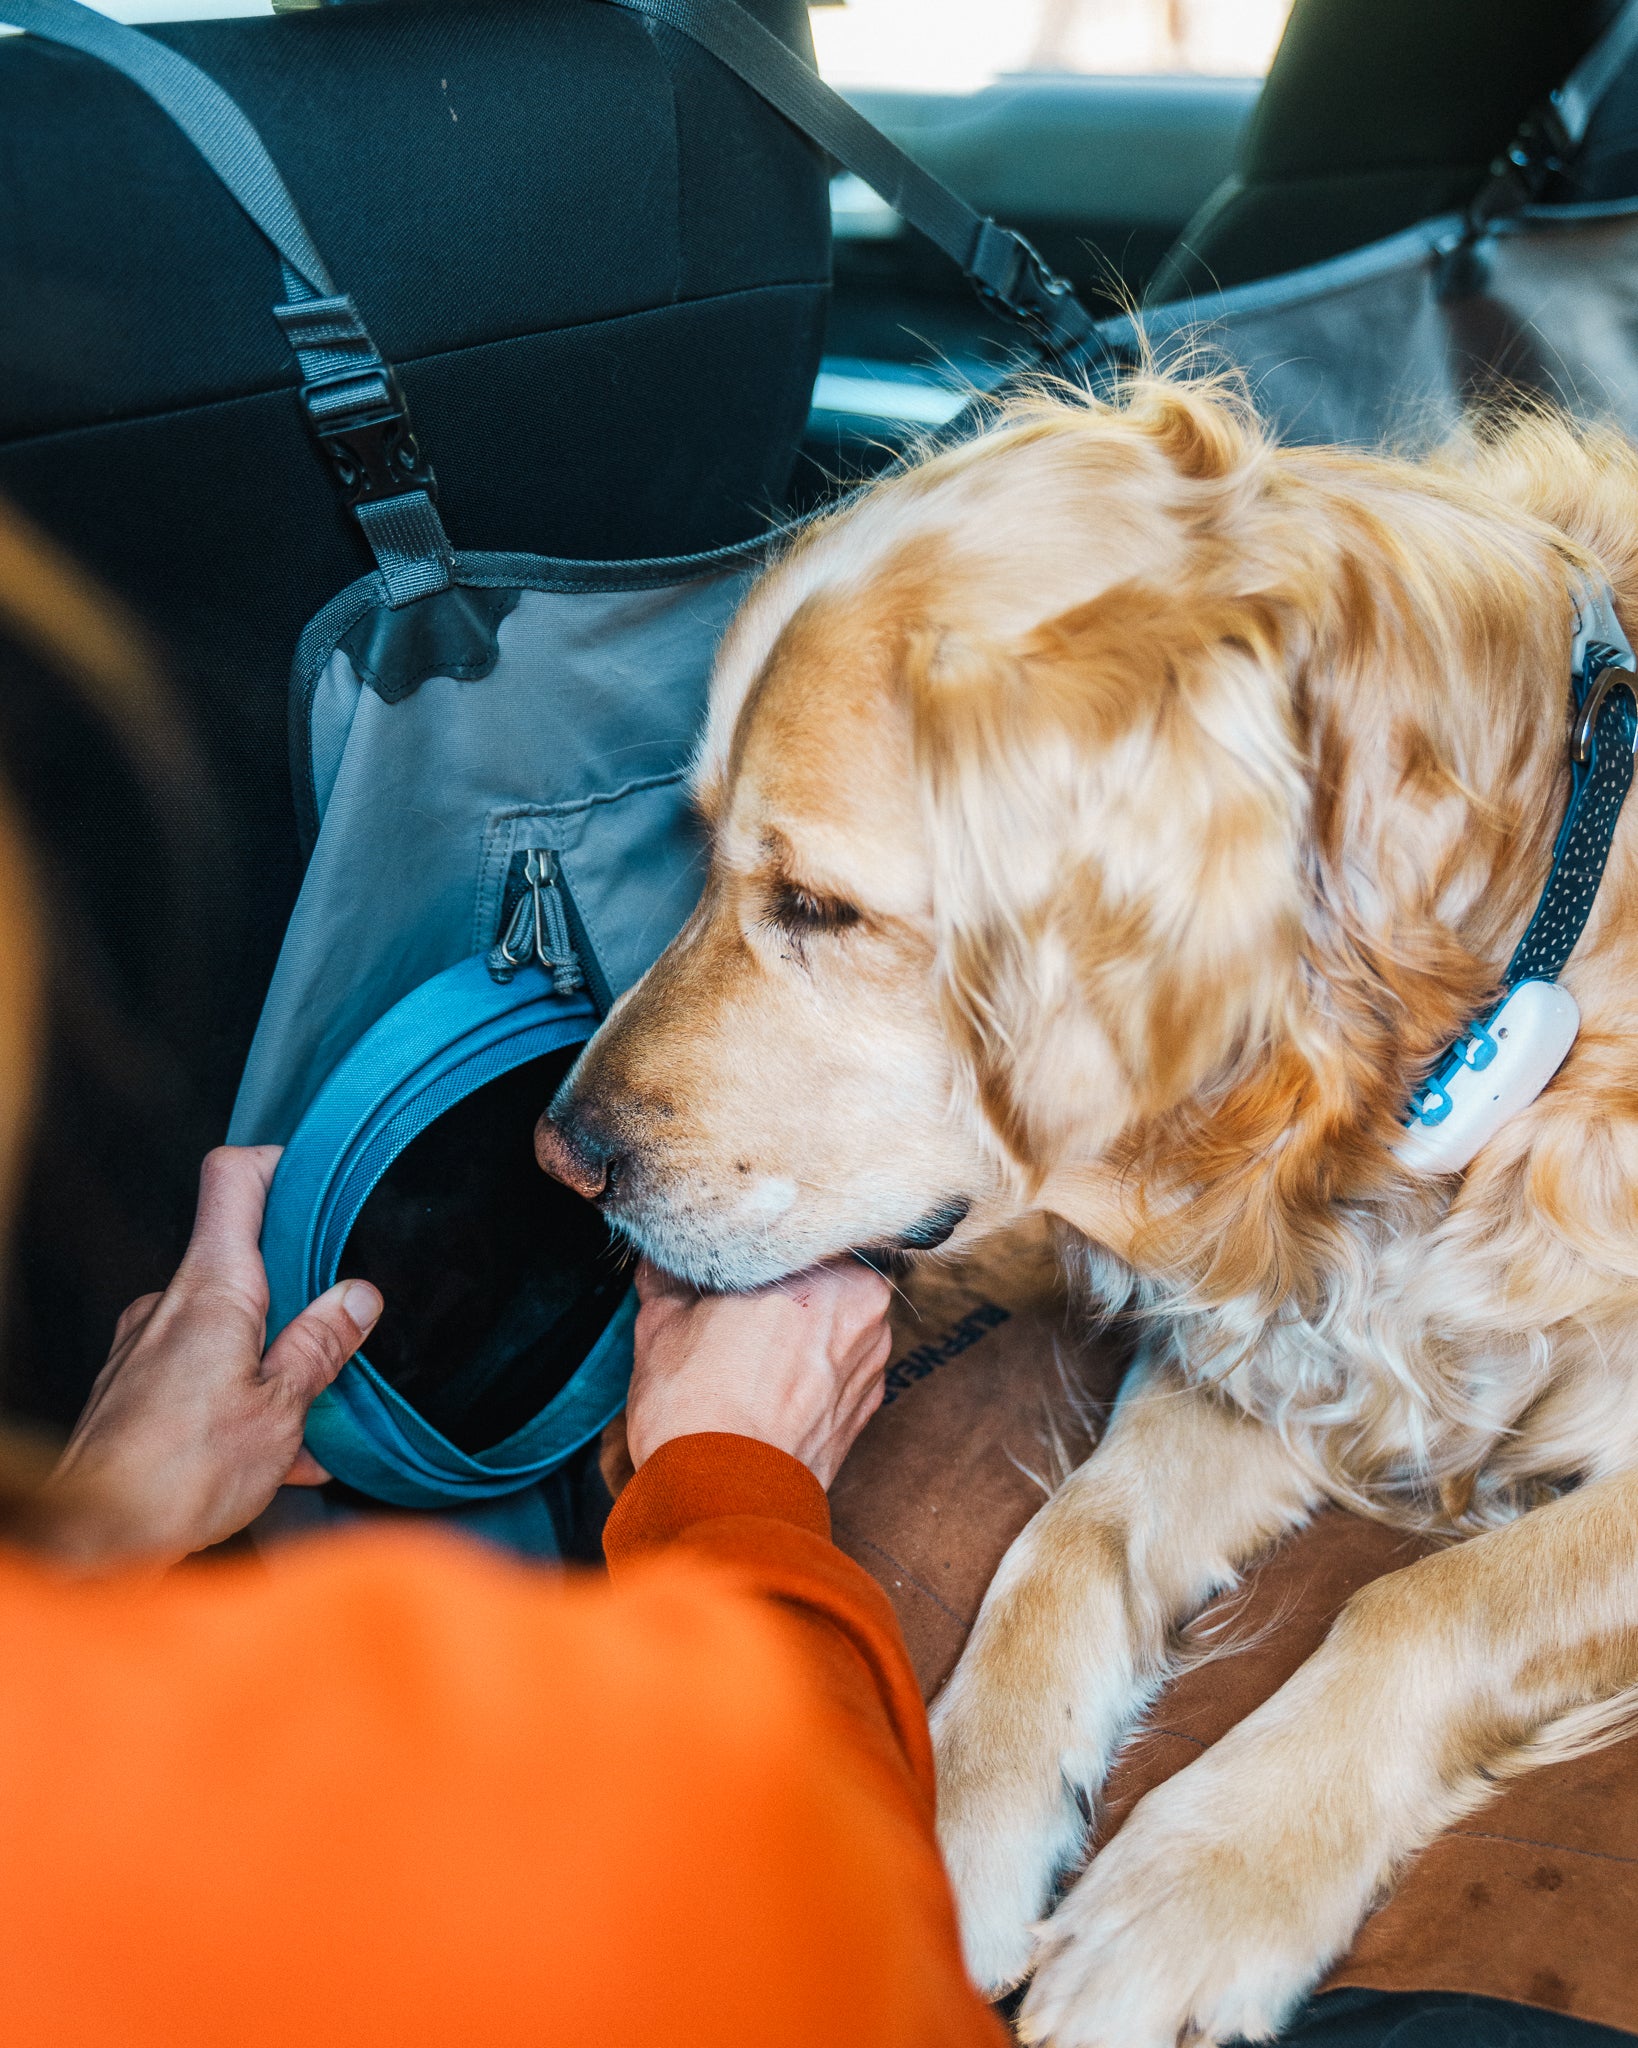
x=1553, y=131
x=351, y=398
x=1587, y=84
x=339, y=362
x=348, y=392
x=999, y=263
x=408, y=541
x=211, y=121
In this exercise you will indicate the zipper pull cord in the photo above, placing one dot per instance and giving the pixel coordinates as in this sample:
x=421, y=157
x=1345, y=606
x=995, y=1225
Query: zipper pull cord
x=539, y=930
x=512, y=949
x=554, y=948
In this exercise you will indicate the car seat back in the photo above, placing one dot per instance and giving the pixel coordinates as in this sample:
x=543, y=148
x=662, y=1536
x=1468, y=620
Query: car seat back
x=600, y=265
x=1375, y=114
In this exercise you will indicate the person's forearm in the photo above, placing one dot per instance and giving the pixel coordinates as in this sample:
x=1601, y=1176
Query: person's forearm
x=759, y=1514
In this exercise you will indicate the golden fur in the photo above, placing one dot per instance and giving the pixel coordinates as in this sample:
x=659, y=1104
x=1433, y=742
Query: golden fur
x=1113, y=817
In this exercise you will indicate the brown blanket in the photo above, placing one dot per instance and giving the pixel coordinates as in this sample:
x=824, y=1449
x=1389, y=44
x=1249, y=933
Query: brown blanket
x=1534, y=1898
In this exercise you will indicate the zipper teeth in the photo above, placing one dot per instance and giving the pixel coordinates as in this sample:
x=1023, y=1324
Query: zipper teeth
x=591, y=966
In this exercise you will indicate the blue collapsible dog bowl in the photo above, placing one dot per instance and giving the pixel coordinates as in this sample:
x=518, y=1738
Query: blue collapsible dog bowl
x=505, y=1343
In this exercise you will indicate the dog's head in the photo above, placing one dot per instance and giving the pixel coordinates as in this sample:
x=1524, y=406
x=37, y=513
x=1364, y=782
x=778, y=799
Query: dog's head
x=1008, y=790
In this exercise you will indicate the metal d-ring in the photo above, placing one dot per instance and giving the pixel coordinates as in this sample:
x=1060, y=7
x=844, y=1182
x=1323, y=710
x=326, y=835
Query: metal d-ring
x=1607, y=667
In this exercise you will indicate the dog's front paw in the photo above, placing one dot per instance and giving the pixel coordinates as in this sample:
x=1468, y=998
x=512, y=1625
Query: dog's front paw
x=1008, y=1823
x=1204, y=1921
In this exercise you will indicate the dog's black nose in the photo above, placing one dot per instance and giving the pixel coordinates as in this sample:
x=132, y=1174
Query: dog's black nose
x=569, y=1148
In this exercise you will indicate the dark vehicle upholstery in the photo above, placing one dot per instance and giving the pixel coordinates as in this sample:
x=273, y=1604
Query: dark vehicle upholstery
x=601, y=267
x=1375, y=114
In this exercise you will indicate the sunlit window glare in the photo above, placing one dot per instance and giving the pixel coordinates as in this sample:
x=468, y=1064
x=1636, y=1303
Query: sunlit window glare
x=962, y=45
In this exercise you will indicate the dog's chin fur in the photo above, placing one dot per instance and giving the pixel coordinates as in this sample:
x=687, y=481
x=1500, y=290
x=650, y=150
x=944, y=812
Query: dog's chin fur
x=710, y=1264
x=693, y=1257
x=685, y=1248
x=1115, y=816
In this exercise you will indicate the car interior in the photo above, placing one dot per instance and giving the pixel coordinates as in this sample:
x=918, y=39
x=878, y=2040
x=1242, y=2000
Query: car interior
x=1173, y=187
x=597, y=371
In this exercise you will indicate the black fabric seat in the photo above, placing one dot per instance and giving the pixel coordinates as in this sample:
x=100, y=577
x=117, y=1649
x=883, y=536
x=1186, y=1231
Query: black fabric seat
x=600, y=264
x=1376, y=114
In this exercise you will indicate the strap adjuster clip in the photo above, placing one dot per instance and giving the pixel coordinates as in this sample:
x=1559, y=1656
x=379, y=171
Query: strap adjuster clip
x=1010, y=272
x=370, y=444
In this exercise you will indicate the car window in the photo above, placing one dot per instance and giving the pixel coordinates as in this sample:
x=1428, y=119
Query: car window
x=964, y=45
x=141, y=12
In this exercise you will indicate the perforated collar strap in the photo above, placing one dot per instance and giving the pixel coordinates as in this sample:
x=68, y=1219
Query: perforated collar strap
x=1603, y=731
x=349, y=393
x=1603, y=734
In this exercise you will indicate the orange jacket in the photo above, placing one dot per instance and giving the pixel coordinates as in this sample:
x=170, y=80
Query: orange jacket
x=396, y=1789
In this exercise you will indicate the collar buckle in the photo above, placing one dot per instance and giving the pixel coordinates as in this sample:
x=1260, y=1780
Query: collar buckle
x=1604, y=665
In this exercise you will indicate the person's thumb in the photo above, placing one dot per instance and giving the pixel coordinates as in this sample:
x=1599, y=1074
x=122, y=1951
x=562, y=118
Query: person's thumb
x=309, y=1351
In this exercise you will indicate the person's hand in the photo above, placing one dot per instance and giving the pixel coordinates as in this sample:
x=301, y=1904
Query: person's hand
x=190, y=1429
x=798, y=1364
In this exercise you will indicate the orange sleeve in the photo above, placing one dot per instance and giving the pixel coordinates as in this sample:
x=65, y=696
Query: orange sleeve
x=395, y=1791
x=756, y=1511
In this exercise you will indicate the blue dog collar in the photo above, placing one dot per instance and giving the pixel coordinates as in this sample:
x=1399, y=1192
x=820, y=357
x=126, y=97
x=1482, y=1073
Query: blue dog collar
x=1499, y=1067
x=431, y=1051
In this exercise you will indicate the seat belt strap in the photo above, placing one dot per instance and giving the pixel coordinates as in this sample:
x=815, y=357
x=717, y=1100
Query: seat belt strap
x=1000, y=264
x=349, y=394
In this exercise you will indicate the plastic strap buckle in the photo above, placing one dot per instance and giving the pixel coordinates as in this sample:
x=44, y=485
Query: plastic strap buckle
x=353, y=403
x=1475, y=1052
x=1007, y=271
x=369, y=440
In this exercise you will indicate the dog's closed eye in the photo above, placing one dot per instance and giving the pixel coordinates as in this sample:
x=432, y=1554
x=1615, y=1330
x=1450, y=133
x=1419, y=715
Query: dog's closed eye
x=800, y=911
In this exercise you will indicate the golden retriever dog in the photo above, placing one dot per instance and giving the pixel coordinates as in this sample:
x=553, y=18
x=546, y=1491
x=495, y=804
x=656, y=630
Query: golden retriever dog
x=1116, y=816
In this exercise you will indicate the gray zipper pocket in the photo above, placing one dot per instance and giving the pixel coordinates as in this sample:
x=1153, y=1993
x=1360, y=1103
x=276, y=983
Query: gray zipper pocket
x=539, y=923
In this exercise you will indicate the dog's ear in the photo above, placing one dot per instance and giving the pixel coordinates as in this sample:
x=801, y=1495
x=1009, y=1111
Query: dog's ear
x=1115, y=808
